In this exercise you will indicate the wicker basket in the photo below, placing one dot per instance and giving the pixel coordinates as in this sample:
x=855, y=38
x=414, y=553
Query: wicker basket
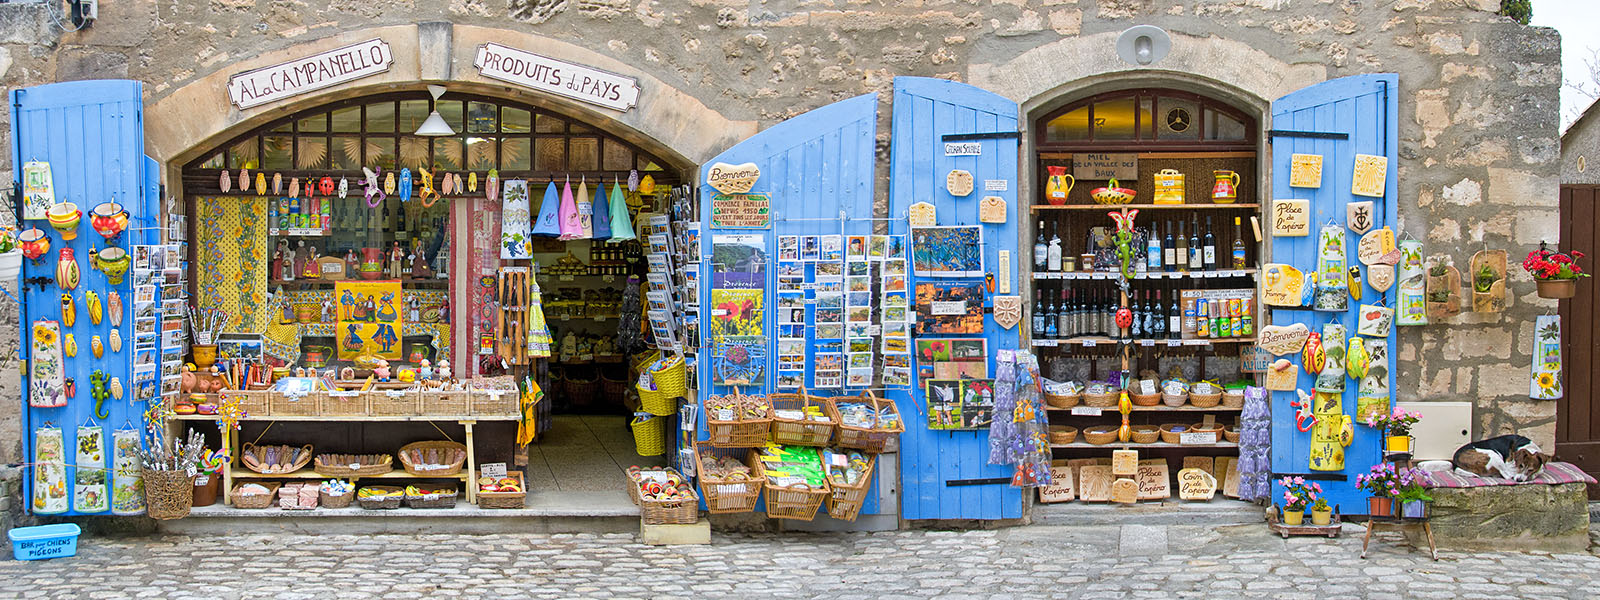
x=873, y=441
x=805, y=431
x=1233, y=399
x=1214, y=428
x=1145, y=434
x=1103, y=400
x=495, y=402
x=392, y=403
x=1059, y=401
x=1062, y=435
x=1174, y=400
x=255, y=403
x=446, y=500
x=343, y=404
x=613, y=388
x=845, y=501
x=506, y=499
x=649, y=434
x=579, y=391
x=726, y=495
x=339, y=465
x=255, y=500
x=669, y=512
x=656, y=403
x=167, y=494
x=255, y=458
x=381, y=503
x=1200, y=400
x=1145, y=399
x=339, y=501
x=1232, y=435
x=1172, y=437
x=672, y=378
x=285, y=405
x=441, y=451
x=1100, y=435
x=739, y=433
x=451, y=403
x=798, y=501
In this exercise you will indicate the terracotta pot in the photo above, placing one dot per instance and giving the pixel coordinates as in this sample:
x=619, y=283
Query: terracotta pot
x=205, y=489
x=1380, y=507
x=1557, y=288
x=1397, y=443
x=1322, y=517
x=1294, y=517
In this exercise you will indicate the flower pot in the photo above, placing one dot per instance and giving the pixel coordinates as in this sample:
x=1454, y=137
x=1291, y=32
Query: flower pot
x=1293, y=517
x=1380, y=507
x=1415, y=509
x=1557, y=288
x=205, y=489
x=10, y=266
x=1322, y=517
x=1397, y=443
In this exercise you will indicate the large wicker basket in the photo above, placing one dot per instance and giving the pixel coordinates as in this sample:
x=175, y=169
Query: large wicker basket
x=1062, y=401
x=343, y=404
x=495, y=402
x=452, y=403
x=506, y=499
x=1062, y=435
x=1100, y=400
x=845, y=500
x=381, y=503
x=1100, y=435
x=738, y=432
x=299, y=405
x=353, y=465
x=867, y=439
x=339, y=501
x=799, y=501
x=271, y=460
x=1172, y=433
x=729, y=495
x=255, y=403
x=1200, y=400
x=255, y=500
x=806, y=430
x=436, y=500
x=392, y=403
x=669, y=512
x=450, y=454
x=1145, y=434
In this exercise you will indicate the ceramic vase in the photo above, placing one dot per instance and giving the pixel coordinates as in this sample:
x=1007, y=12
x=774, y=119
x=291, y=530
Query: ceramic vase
x=1322, y=517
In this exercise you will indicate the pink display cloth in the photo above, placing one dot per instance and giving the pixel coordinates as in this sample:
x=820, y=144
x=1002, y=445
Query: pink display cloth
x=1554, y=473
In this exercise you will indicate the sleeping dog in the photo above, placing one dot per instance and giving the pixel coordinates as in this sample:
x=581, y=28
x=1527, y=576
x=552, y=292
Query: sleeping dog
x=1512, y=457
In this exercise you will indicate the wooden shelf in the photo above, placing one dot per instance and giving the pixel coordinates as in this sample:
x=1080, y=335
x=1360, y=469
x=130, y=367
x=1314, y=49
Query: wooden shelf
x=307, y=473
x=357, y=418
x=1099, y=341
x=1061, y=155
x=328, y=283
x=1131, y=445
x=1111, y=276
x=1163, y=408
x=1111, y=207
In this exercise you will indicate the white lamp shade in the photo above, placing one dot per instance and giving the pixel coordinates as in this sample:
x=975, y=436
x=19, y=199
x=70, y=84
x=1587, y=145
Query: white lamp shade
x=435, y=126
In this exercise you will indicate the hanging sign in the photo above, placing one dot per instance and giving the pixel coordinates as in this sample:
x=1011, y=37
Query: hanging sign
x=958, y=182
x=1369, y=175
x=1099, y=166
x=1378, y=247
x=1061, y=486
x=1305, y=170
x=1546, y=380
x=1291, y=218
x=285, y=80
x=1279, y=340
x=923, y=214
x=1358, y=216
x=733, y=179
x=741, y=211
x=587, y=84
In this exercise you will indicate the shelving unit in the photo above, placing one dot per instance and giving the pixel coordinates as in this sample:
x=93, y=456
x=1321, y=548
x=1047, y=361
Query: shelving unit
x=1132, y=446
x=1113, y=207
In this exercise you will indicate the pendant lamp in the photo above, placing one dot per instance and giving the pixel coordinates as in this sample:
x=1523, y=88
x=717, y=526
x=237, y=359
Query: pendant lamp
x=602, y=213
x=548, y=224
x=621, y=221
x=434, y=125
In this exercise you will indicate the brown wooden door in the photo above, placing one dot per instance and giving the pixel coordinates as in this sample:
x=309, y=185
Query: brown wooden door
x=1578, y=412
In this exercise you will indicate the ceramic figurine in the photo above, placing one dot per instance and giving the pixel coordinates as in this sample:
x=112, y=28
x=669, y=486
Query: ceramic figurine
x=444, y=370
x=67, y=273
x=69, y=310
x=374, y=193
x=382, y=370
x=425, y=371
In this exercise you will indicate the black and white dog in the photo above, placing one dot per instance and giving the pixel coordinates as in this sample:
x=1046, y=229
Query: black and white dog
x=1512, y=457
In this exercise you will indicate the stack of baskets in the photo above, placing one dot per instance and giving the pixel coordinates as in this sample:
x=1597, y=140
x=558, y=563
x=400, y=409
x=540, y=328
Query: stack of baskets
x=661, y=384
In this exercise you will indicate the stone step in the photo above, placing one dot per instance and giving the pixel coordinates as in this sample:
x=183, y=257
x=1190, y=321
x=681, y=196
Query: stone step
x=548, y=512
x=1218, y=512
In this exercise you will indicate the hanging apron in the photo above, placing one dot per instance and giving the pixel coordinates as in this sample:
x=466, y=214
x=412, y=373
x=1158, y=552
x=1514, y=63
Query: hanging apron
x=1413, y=285
x=90, y=492
x=1332, y=288
x=621, y=219
x=49, y=471
x=514, y=226
x=548, y=223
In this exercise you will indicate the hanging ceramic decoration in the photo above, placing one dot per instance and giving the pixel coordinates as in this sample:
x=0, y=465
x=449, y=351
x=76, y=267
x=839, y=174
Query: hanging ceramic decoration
x=1281, y=375
x=97, y=347
x=261, y=184
x=39, y=189
x=115, y=385
x=602, y=213
x=1291, y=217
x=1279, y=340
x=1378, y=247
x=1331, y=378
x=326, y=186
x=405, y=184
x=1305, y=170
x=46, y=376
x=1359, y=216
x=1312, y=356
x=1058, y=185
x=49, y=471
x=923, y=214
x=1380, y=277
x=1007, y=311
x=344, y=188
x=127, y=485
x=69, y=345
x=472, y=183
x=992, y=209
x=34, y=243
x=1355, y=359
x=447, y=184
x=621, y=219
x=1488, y=269
x=69, y=311
x=491, y=187
x=1331, y=293
x=64, y=218
x=244, y=181
x=1282, y=285
x=91, y=494
x=633, y=180
x=1369, y=175
x=93, y=306
x=115, y=340
x=426, y=193
x=1353, y=282
x=1372, y=394
x=1546, y=383
x=1443, y=285
x=374, y=193
x=585, y=211
x=647, y=186
x=114, y=307
x=388, y=183
x=113, y=261
x=294, y=187
x=1374, y=321
x=68, y=275
x=958, y=182
x=514, y=226
x=277, y=184
x=225, y=182
x=1330, y=433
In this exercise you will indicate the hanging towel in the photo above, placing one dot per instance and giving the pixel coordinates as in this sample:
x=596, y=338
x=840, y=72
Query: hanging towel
x=585, y=212
x=514, y=214
x=602, y=213
x=570, y=228
x=621, y=221
x=548, y=224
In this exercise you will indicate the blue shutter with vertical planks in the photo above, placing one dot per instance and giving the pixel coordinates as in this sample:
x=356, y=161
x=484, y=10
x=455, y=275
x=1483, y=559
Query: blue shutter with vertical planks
x=1364, y=107
x=926, y=110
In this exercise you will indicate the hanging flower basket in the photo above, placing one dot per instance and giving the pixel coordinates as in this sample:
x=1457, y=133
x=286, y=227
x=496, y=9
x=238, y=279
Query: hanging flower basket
x=1555, y=273
x=1557, y=289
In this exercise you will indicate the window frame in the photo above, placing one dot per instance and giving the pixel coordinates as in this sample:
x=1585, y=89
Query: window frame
x=1151, y=141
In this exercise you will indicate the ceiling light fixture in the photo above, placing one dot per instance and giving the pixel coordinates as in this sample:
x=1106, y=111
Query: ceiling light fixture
x=435, y=126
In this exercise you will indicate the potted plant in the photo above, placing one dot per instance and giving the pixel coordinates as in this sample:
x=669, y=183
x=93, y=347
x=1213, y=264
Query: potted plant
x=10, y=254
x=1414, y=500
x=1321, y=513
x=1556, y=273
x=1384, y=482
x=1297, y=495
x=1396, y=426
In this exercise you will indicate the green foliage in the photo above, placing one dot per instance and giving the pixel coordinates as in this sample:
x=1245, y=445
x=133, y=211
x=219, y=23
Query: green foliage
x=1521, y=10
x=1484, y=279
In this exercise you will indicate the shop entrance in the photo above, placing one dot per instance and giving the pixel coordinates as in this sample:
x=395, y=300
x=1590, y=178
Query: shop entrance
x=378, y=287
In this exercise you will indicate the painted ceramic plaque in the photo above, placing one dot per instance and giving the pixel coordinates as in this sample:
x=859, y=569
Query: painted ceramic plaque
x=1283, y=339
x=1380, y=277
x=1007, y=311
x=1359, y=216
x=1305, y=170
x=1196, y=484
x=1061, y=488
x=1291, y=218
x=1002, y=284
x=1124, y=491
x=1377, y=247
x=923, y=214
x=1094, y=483
x=1282, y=285
x=959, y=182
x=1442, y=288
x=1546, y=383
x=992, y=209
x=1369, y=175
x=1124, y=462
x=1281, y=376
x=733, y=179
x=1374, y=321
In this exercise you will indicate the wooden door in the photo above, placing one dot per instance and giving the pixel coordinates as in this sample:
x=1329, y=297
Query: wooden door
x=1577, y=413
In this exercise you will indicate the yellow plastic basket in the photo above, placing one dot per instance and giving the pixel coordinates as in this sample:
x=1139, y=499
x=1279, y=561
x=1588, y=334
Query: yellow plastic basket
x=672, y=380
x=649, y=435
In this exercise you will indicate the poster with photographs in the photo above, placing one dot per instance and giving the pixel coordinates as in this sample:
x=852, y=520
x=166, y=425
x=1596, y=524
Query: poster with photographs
x=738, y=360
x=954, y=358
x=954, y=251
x=946, y=307
x=738, y=261
x=960, y=403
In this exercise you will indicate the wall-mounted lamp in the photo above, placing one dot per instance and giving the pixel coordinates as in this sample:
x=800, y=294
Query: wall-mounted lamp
x=1143, y=44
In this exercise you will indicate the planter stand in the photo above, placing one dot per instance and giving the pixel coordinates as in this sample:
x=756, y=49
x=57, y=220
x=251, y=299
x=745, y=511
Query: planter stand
x=1399, y=524
x=1330, y=530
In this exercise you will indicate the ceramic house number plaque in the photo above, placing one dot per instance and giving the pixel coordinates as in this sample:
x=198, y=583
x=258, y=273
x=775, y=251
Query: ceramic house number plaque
x=1305, y=170
x=1370, y=173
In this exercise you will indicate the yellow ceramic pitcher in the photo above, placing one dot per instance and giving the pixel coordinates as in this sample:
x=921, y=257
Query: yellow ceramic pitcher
x=1227, y=188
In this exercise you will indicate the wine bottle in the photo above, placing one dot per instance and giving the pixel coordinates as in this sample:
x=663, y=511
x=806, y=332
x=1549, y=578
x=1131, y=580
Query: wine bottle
x=1169, y=256
x=1196, y=259
x=1053, y=262
x=1238, y=245
x=1182, y=257
x=1136, y=328
x=1041, y=250
x=1152, y=252
x=1050, y=330
x=1038, y=314
x=1174, y=318
x=1064, y=315
x=1210, y=246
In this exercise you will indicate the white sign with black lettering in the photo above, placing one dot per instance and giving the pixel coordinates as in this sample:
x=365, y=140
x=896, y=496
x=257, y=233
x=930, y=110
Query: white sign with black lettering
x=963, y=148
x=495, y=470
x=280, y=81
x=543, y=73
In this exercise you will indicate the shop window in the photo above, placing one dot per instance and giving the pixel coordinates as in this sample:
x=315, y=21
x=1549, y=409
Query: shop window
x=1115, y=119
x=617, y=157
x=1177, y=119
x=447, y=153
x=414, y=153
x=316, y=124
x=1223, y=127
x=550, y=154
x=380, y=117
x=451, y=110
x=514, y=154
x=214, y=162
x=347, y=153
x=549, y=124
x=1136, y=119
x=277, y=150
x=245, y=154
x=585, y=155
x=515, y=120
x=311, y=153
x=380, y=153
x=577, y=128
x=347, y=120
x=480, y=153
x=412, y=114
x=481, y=118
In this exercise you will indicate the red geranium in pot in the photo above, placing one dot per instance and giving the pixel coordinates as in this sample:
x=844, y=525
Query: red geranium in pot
x=1556, y=273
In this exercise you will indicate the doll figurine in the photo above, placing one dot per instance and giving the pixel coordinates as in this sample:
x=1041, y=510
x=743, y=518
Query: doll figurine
x=382, y=370
x=444, y=370
x=425, y=372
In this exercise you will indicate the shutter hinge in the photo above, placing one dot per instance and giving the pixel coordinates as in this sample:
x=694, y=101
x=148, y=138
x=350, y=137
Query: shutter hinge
x=1326, y=135
x=993, y=135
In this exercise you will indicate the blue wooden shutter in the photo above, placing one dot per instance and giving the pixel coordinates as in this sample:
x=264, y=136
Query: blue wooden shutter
x=92, y=134
x=1361, y=113
x=925, y=111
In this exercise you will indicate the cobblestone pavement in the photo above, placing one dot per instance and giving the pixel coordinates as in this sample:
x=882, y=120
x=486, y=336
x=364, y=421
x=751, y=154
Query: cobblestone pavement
x=1023, y=562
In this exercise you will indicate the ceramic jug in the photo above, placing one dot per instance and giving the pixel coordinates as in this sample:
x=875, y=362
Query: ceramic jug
x=1227, y=188
x=1058, y=186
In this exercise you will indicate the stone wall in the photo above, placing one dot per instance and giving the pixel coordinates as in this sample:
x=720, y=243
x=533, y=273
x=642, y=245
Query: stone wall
x=1478, y=149
x=1580, y=145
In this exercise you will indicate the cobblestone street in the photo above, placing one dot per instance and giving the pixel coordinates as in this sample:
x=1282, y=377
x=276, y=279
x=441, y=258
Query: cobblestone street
x=1036, y=561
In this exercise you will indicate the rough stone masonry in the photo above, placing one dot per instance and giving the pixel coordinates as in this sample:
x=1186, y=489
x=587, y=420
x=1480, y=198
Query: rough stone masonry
x=1478, y=151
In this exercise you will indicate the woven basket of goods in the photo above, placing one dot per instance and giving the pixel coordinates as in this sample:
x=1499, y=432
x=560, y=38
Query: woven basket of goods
x=738, y=419
x=729, y=483
x=510, y=491
x=665, y=497
x=1101, y=396
x=336, y=493
x=433, y=459
x=1145, y=434
x=1145, y=399
x=253, y=402
x=353, y=465
x=1174, y=392
x=1205, y=395
x=431, y=496
x=1062, y=394
x=254, y=495
x=271, y=460
x=294, y=405
x=797, y=481
x=1232, y=435
x=800, y=419
x=1061, y=435
x=1171, y=433
x=848, y=484
x=1233, y=398
x=376, y=497
x=1100, y=435
x=866, y=422
x=1213, y=428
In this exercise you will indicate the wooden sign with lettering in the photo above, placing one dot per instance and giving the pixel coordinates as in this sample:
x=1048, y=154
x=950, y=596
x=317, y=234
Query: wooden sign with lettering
x=1124, y=491
x=1369, y=175
x=959, y=182
x=1305, y=170
x=923, y=214
x=1358, y=216
x=1153, y=482
x=1230, y=477
x=733, y=179
x=1124, y=462
x=1096, y=166
x=1291, y=218
x=741, y=211
x=1204, y=463
x=1283, y=339
x=1061, y=488
x=1094, y=483
x=992, y=209
x=1196, y=484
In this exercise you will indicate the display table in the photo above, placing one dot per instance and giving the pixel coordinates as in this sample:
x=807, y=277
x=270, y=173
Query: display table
x=234, y=471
